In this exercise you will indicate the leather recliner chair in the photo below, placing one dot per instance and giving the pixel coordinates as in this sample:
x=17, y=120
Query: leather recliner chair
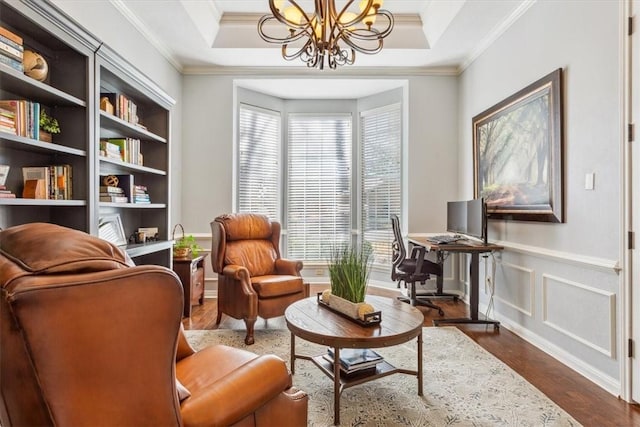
x=253, y=280
x=88, y=339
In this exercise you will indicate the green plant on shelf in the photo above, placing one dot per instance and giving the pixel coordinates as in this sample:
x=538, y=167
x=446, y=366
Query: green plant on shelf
x=48, y=123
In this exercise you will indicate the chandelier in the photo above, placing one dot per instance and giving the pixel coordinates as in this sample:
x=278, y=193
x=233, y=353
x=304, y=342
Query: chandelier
x=328, y=33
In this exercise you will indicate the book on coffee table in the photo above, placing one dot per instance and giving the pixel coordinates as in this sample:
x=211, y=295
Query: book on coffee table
x=355, y=359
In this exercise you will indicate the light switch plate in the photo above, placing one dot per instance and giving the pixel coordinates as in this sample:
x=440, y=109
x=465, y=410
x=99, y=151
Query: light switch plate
x=589, y=181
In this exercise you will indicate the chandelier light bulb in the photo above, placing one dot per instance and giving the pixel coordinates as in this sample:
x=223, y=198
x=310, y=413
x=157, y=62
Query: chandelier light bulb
x=293, y=15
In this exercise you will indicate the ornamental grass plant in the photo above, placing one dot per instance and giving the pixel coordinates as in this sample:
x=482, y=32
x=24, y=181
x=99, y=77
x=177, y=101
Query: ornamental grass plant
x=349, y=269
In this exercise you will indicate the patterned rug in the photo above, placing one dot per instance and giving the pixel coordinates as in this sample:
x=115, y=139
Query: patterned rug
x=464, y=385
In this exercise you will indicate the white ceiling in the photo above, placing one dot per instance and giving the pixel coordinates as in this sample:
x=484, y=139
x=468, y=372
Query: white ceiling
x=197, y=35
x=429, y=36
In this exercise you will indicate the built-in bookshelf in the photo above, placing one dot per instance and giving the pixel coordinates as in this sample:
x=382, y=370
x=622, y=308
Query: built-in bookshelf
x=136, y=122
x=80, y=69
x=64, y=94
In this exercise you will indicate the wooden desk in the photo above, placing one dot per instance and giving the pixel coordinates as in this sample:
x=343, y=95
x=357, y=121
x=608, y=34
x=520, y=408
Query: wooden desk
x=469, y=247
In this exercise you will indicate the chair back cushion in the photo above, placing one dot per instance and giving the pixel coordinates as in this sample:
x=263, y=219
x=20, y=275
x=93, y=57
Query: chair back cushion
x=251, y=240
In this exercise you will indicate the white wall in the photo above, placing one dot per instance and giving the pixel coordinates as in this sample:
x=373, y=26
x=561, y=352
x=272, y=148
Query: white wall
x=556, y=284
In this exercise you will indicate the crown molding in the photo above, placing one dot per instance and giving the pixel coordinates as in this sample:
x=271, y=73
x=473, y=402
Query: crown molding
x=496, y=33
x=307, y=72
x=146, y=33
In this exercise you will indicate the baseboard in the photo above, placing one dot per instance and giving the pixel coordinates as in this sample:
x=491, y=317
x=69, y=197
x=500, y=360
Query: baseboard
x=599, y=378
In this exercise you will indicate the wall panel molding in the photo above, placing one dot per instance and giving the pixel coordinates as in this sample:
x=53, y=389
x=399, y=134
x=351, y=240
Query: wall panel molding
x=531, y=283
x=603, y=264
x=608, y=305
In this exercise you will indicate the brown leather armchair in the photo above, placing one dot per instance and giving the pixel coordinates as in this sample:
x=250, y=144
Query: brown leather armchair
x=88, y=339
x=253, y=280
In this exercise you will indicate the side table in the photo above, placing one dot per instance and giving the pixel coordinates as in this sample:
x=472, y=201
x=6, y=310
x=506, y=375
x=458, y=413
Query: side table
x=190, y=270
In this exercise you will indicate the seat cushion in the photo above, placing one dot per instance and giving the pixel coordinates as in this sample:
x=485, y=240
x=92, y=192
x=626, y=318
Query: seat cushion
x=216, y=361
x=408, y=266
x=270, y=286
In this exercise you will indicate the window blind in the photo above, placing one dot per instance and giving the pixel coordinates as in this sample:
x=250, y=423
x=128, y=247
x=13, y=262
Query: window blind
x=381, y=148
x=318, y=184
x=259, y=170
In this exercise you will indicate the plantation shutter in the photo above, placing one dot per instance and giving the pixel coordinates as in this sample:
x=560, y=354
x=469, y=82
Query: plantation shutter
x=318, y=184
x=381, y=142
x=259, y=168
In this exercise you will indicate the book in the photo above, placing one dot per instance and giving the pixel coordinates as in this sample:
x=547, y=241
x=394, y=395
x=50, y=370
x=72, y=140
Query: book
x=13, y=44
x=110, y=189
x=11, y=62
x=112, y=198
x=11, y=51
x=355, y=359
x=10, y=35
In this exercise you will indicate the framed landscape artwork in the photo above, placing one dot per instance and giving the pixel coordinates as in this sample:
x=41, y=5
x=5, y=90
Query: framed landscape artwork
x=517, y=154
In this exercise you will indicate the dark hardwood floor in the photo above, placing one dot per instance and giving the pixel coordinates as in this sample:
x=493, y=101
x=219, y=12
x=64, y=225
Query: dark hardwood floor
x=586, y=402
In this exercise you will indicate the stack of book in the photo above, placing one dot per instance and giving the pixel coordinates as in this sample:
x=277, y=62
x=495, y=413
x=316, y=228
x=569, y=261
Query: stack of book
x=140, y=194
x=129, y=149
x=356, y=360
x=7, y=120
x=110, y=150
x=48, y=182
x=11, y=49
x=6, y=194
x=110, y=193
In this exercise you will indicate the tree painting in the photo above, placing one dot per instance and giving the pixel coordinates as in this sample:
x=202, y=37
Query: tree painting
x=517, y=147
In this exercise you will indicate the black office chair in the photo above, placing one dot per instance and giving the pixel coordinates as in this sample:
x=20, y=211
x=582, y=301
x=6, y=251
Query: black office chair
x=413, y=269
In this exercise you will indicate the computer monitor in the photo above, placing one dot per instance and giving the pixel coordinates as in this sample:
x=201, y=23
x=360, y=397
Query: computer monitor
x=457, y=217
x=468, y=217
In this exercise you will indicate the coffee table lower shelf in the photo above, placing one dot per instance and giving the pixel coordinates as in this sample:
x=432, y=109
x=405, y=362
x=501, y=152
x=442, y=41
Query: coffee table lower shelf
x=383, y=369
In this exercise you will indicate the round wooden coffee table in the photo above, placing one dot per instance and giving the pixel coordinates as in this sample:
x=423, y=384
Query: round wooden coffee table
x=400, y=323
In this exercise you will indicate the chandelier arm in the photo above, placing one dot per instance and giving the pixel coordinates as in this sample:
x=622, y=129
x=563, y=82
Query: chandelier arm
x=296, y=35
x=298, y=53
x=368, y=51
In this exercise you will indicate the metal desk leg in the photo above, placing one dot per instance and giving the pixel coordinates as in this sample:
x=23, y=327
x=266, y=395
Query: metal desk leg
x=474, y=298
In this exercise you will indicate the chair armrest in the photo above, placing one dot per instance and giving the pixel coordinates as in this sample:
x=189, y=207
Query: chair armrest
x=418, y=253
x=239, y=393
x=241, y=274
x=288, y=266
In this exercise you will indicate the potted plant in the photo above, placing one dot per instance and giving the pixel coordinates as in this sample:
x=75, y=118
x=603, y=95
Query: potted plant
x=185, y=245
x=349, y=269
x=48, y=126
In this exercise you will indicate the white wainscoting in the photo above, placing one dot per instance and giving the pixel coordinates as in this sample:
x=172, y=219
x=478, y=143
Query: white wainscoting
x=595, y=327
x=516, y=287
x=563, y=303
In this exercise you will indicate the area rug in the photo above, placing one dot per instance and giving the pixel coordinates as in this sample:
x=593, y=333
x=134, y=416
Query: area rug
x=464, y=385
